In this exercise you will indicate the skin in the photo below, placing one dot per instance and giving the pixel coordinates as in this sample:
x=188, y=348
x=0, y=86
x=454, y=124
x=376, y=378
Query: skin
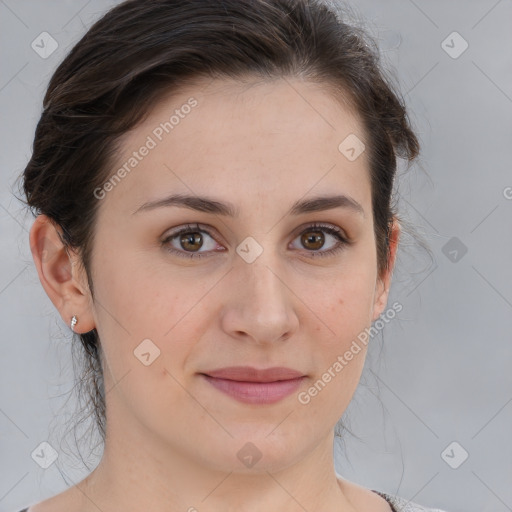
x=172, y=439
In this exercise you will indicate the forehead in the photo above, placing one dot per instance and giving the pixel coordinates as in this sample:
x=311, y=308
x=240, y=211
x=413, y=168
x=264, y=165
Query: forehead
x=258, y=138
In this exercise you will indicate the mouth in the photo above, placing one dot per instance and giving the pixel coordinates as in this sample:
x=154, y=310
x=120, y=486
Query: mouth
x=253, y=386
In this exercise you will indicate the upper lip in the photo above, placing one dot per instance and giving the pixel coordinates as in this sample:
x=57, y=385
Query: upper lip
x=250, y=374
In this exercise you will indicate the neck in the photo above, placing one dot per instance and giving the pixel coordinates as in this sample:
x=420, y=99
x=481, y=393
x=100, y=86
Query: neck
x=140, y=472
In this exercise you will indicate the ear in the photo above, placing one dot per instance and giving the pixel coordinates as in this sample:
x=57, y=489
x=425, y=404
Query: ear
x=61, y=274
x=384, y=281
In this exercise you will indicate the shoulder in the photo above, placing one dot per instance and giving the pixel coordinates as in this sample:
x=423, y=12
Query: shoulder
x=403, y=505
x=362, y=498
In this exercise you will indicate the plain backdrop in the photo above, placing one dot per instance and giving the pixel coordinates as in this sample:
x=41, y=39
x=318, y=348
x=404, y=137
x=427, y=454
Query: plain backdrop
x=432, y=417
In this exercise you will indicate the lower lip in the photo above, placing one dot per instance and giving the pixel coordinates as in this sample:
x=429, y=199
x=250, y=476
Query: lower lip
x=256, y=392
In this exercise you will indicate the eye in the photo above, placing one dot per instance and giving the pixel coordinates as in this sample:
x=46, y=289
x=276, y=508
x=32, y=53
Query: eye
x=187, y=241
x=313, y=238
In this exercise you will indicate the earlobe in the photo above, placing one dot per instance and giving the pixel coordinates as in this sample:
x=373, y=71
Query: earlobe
x=384, y=281
x=60, y=273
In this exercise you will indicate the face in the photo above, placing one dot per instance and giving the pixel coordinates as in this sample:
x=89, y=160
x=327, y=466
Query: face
x=255, y=279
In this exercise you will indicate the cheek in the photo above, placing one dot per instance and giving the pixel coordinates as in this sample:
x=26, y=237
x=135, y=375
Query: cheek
x=323, y=402
x=141, y=299
x=142, y=322
x=147, y=314
x=342, y=303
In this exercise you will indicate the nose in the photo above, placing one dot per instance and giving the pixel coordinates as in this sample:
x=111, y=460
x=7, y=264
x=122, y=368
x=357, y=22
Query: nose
x=260, y=304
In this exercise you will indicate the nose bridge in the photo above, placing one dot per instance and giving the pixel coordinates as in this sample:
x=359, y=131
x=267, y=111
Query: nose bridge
x=262, y=280
x=260, y=305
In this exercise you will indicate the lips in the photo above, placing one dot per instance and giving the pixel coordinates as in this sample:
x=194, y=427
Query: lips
x=250, y=374
x=250, y=385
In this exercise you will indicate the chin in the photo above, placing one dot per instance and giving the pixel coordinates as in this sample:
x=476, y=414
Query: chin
x=253, y=450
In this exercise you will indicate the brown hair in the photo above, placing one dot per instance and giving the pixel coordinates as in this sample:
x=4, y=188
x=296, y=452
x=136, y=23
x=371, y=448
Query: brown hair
x=142, y=49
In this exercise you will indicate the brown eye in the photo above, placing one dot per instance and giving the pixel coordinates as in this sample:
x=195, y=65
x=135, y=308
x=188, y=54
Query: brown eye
x=313, y=240
x=188, y=242
x=191, y=241
x=315, y=237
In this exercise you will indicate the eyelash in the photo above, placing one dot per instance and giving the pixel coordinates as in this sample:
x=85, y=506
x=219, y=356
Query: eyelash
x=330, y=229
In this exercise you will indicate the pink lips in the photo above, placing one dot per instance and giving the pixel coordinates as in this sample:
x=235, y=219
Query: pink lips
x=250, y=385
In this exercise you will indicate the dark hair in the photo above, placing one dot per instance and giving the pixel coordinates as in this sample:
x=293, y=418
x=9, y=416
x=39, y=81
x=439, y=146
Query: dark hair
x=141, y=50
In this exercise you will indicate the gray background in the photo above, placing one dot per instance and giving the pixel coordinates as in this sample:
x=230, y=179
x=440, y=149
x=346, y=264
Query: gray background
x=441, y=371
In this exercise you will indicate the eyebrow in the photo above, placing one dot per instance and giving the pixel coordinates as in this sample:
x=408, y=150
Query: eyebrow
x=209, y=205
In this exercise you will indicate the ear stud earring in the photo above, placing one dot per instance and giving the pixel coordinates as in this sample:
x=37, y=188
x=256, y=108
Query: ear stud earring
x=74, y=321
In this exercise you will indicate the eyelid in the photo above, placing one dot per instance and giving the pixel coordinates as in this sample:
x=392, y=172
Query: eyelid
x=191, y=226
x=321, y=225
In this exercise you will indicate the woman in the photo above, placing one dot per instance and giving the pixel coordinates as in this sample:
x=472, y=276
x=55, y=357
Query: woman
x=213, y=189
